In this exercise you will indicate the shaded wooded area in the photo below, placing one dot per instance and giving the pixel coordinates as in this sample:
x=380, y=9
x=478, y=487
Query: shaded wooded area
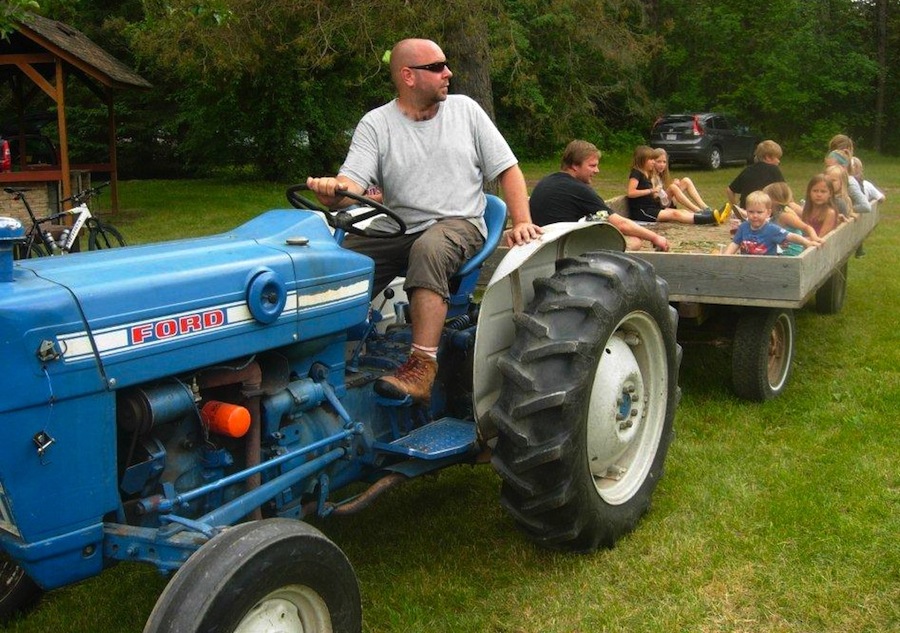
x=276, y=85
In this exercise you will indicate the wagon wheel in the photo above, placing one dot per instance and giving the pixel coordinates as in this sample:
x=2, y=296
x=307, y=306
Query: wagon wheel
x=763, y=353
x=830, y=297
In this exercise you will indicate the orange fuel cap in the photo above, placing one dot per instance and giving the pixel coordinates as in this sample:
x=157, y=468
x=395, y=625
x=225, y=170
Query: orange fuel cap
x=226, y=419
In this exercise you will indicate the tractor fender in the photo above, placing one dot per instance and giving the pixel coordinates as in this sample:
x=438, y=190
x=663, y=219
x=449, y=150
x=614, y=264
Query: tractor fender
x=510, y=290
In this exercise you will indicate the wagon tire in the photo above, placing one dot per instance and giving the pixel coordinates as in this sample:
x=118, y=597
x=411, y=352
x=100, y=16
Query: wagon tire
x=830, y=297
x=272, y=571
x=18, y=592
x=763, y=353
x=587, y=402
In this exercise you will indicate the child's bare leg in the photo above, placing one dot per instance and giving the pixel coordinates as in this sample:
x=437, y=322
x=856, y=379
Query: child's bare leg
x=676, y=215
x=690, y=190
x=676, y=194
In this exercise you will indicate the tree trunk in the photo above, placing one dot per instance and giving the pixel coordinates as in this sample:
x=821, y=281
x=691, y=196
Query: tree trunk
x=469, y=54
x=881, y=42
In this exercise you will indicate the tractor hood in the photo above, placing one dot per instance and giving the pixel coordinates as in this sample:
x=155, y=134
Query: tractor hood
x=112, y=318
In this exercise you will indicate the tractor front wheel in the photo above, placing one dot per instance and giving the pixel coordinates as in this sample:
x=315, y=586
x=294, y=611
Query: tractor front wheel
x=18, y=592
x=588, y=397
x=270, y=575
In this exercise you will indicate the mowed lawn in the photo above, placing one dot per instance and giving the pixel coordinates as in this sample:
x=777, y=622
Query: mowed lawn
x=774, y=517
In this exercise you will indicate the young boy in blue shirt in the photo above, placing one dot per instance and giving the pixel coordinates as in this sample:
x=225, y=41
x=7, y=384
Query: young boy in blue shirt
x=756, y=235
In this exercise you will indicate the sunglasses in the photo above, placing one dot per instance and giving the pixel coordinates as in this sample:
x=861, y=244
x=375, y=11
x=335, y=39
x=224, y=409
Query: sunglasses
x=434, y=67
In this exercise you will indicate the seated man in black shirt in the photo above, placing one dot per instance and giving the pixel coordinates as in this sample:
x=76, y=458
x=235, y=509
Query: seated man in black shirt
x=567, y=196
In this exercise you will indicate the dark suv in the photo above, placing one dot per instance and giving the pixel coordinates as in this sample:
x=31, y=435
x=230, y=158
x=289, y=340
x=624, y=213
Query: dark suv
x=711, y=139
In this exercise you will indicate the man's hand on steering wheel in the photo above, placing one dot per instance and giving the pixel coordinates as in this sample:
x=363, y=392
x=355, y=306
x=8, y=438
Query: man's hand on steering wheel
x=330, y=191
x=342, y=219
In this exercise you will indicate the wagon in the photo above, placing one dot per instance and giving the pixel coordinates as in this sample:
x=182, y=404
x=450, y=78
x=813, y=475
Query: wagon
x=749, y=302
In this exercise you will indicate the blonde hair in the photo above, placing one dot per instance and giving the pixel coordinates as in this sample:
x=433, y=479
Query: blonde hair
x=844, y=193
x=781, y=196
x=856, y=167
x=664, y=175
x=767, y=149
x=759, y=197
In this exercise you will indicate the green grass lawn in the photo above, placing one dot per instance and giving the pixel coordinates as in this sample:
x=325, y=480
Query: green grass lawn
x=774, y=517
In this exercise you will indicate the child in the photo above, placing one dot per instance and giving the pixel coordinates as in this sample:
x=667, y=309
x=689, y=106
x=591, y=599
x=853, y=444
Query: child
x=872, y=193
x=754, y=177
x=818, y=211
x=644, y=197
x=840, y=185
x=680, y=190
x=786, y=213
x=841, y=154
x=758, y=236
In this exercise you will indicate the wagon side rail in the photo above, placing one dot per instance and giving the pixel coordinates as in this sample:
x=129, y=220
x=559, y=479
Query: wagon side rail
x=765, y=281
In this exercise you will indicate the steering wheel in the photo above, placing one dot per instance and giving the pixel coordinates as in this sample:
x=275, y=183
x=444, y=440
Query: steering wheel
x=343, y=219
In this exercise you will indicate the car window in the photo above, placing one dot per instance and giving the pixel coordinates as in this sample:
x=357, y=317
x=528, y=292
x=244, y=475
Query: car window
x=720, y=123
x=675, y=124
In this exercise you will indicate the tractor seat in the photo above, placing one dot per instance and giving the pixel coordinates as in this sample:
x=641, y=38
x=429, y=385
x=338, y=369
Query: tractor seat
x=462, y=284
x=495, y=218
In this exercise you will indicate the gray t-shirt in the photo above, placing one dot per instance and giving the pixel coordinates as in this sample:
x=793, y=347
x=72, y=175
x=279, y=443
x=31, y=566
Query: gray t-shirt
x=429, y=169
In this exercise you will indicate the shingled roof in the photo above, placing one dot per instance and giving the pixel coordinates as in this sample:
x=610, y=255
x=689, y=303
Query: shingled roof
x=74, y=47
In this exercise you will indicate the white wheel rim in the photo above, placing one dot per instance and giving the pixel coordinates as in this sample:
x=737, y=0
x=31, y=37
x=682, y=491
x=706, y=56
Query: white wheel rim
x=290, y=609
x=781, y=345
x=627, y=408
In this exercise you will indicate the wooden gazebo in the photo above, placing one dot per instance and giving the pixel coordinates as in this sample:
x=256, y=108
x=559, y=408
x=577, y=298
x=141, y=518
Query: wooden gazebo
x=40, y=56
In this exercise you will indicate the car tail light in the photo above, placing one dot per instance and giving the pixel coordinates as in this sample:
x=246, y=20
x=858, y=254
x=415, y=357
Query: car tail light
x=698, y=129
x=5, y=156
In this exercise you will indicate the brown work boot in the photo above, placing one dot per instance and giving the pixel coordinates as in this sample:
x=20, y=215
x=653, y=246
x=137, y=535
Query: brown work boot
x=413, y=378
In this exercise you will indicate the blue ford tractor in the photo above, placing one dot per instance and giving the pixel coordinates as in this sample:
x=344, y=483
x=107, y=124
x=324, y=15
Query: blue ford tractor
x=189, y=404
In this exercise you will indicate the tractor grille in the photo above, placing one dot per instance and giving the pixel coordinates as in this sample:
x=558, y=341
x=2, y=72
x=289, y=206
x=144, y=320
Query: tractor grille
x=6, y=521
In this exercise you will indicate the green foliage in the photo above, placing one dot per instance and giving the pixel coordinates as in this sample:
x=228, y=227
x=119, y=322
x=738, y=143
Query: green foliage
x=784, y=69
x=569, y=69
x=12, y=11
x=279, y=84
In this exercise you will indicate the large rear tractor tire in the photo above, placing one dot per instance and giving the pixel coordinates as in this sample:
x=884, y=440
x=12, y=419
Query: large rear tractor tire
x=272, y=575
x=588, y=398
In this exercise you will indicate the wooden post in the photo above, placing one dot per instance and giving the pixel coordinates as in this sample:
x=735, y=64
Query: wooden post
x=113, y=156
x=63, y=134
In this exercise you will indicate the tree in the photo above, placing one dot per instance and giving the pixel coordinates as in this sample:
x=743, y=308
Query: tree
x=799, y=70
x=12, y=11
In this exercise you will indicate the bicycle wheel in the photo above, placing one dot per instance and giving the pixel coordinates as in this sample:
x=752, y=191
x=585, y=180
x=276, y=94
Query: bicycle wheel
x=103, y=236
x=29, y=249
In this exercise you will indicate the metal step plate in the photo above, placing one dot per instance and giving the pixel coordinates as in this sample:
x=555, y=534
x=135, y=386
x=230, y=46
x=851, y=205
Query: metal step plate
x=438, y=439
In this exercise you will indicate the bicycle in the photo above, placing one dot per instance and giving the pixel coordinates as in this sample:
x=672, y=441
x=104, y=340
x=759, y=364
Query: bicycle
x=39, y=241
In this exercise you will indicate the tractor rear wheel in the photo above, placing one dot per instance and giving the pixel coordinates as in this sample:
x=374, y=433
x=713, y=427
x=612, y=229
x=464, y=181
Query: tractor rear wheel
x=270, y=575
x=588, y=398
x=18, y=592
